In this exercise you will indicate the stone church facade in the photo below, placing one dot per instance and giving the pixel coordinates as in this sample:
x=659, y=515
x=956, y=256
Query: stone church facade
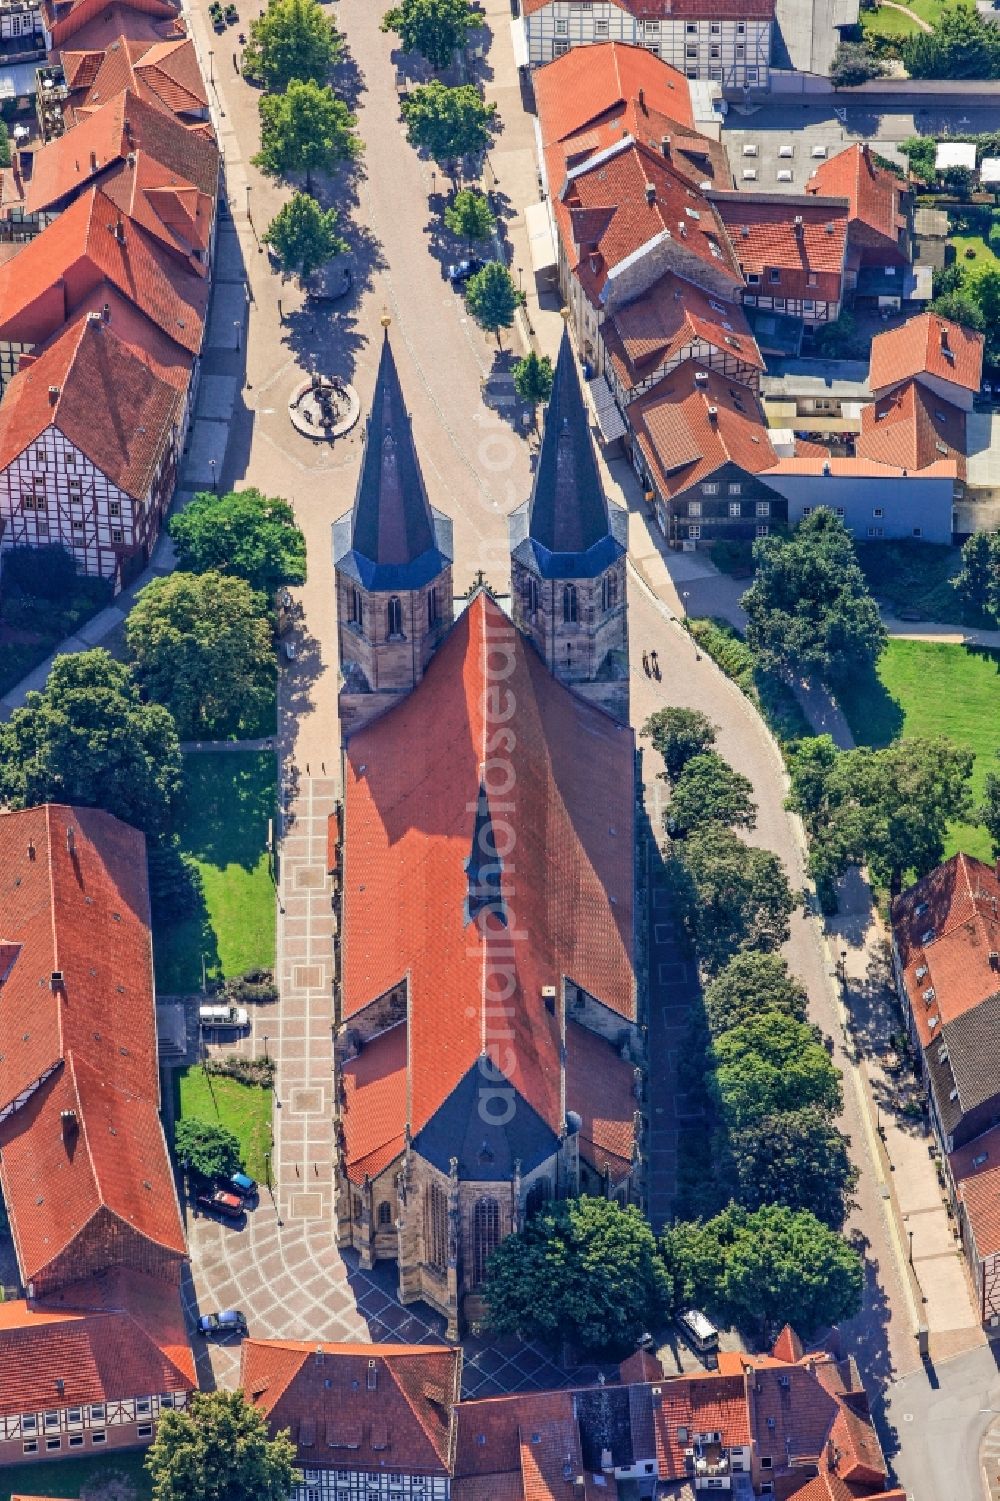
x=489, y=1046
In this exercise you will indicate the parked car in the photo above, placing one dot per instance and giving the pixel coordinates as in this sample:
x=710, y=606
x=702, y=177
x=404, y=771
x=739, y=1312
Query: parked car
x=462, y=270
x=290, y=650
x=222, y=1015
x=218, y=1201
x=699, y=1331
x=230, y=1321
x=242, y=1184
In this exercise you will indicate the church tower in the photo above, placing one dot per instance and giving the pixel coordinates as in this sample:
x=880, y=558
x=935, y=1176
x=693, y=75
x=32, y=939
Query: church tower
x=568, y=549
x=392, y=556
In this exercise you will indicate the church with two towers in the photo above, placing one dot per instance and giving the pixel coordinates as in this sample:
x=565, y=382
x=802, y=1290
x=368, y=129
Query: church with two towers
x=489, y=1049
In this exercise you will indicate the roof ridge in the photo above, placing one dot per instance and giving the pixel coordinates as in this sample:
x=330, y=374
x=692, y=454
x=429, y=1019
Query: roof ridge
x=452, y=1396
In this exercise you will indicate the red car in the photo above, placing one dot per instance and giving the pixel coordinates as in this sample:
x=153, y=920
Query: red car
x=220, y=1202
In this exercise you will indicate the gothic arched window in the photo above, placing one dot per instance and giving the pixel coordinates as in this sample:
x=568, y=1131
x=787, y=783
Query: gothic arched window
x=432, y=608
x=539, y=1195
x=485, y=1237
x=356, y=616
x=530, y=597
x=609, y=592
x=385, y=1215
x=394, y=616
x=436, y=1227
x=569, y=604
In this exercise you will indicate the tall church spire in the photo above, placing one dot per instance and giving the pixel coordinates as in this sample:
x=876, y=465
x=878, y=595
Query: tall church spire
x=568, y=513
x=392, y=528
x=392, y=560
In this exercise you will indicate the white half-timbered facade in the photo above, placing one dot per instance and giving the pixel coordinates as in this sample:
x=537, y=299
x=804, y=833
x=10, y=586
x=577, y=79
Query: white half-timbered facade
x=698, y=39
x=85, y=1428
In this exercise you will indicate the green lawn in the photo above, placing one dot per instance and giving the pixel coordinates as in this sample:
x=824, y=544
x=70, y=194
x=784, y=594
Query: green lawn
x=982, y=258
x=927, y=688
x=915, y=576
x=222, y=821
x=244, y=1109
x=887, y=22
x=71, y=1477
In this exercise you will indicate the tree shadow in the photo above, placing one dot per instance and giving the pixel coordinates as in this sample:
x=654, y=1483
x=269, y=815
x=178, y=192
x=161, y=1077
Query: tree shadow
x=225, y=804
x=348, y=82
x=875, y=717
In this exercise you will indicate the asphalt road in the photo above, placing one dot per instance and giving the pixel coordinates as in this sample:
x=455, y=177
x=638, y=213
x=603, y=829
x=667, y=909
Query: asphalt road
x=941, y=1417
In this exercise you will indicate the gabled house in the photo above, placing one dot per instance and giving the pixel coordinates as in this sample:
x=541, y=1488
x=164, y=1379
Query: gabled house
x=791, y=252
x=943, y=356
x=718, y=40
x=163, y=73
x=880, y=220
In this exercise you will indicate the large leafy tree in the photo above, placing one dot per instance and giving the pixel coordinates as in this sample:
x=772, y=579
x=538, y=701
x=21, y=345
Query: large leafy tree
x=678, y=734
x=707, y=791
x=449, y=123
x=206, y=1148
x=88, y=738
x=809, y=609
x=201, y=645
x=889, y=809
x=733, y=896
x=761, y=1269
x=292, y=39
x=853, y=64
x=492, y=298
x=748, y=986
x=245, y=533
x=435, y=28
x=989, y=809
x=533, y=377
x=963, y=44
x=769, y=1064
x=305, y=129
x=218, y=1449
x=978, y=583
x=793, y=1157
x=303, y=236
x=583, y=1269
x=470, y=216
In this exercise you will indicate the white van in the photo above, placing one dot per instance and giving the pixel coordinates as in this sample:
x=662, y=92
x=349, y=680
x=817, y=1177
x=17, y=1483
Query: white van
x=699, y=1331
x=223, y=1016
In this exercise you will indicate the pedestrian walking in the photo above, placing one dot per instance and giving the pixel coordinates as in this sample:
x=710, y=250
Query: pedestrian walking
x=654, y=659
x=645, y=663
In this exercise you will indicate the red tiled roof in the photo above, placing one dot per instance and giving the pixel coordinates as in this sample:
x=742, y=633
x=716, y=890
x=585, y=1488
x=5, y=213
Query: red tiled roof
x=170, y=72
x=150, y=165
x=89, y=243
x=607, y=1135
x=667, y=319
x=684, y=443
x=78, y=904
x=109, y=23
x=788, y=1346
x=701, y=1404
x=765, y=239
x=875, y=195
x=490, y=1433
x=107, y=403
x=374, y=1114
x=980, y=1194
x=118, y=1336
x=367, y=1407
x=926, y=345
x=631, y=196
x=642, y=1365
x=589, y=84
x=66, y=18
x=412, y=785
x=855, y=468
x=912, y=427
x=950, y=939
x=682, y=10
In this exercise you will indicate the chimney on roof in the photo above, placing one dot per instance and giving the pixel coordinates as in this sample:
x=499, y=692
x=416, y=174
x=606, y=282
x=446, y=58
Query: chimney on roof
x=60, y=1386
x=665, y=146
x=70, y=1124
x=826, y=467
x=70, y=839
x=607, y=1462
x=53, y=395
x=93, y=161
x=319, y=1354
x=994, y=959
x=713, y=415
x=131, y=158
x=106, y=312
x=799, y=226
x=56, y=981
x=701, y=377
x=944, y=337
x=31, y=849
x=650, y=193
x=119, y=230
x=642, y=100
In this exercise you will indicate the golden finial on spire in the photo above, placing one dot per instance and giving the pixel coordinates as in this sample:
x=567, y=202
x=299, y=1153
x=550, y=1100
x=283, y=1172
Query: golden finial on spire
x=386, y=318
x=564, y=314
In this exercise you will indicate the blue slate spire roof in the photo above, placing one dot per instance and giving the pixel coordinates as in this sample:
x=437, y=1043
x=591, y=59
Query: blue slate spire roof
x=392, y=539
x=567, y=529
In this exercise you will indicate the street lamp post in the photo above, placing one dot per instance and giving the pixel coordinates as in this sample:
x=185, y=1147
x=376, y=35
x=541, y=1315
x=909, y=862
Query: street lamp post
x=434, y=183
x=211, y=67
x=211, y=465
x=910, y=1234
x=238, y=325
x=519, y=285
x=249, y=217
x=265, y=1046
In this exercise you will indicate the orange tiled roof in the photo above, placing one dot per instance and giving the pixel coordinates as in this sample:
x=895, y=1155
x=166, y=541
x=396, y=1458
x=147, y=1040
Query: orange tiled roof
x=411, y=779
x=766, y=240
x=77, y=904
x=120, y=1335
x=912, y=427
x=91, y=242
x=672, y=315
x=875, y=195
x=947, y=926
x=808, y=462
x=626, y=196
x=607, y=1135
x=101, y=397
x=684, y=442
x=108, y=23
x=490, y=1432
x=66, y=18
x=368, y=1406
x=980, y=1193
x=374, y=1114
x=163, y=73
x=700, y=1404
x=926, y=345
x=589, y=84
